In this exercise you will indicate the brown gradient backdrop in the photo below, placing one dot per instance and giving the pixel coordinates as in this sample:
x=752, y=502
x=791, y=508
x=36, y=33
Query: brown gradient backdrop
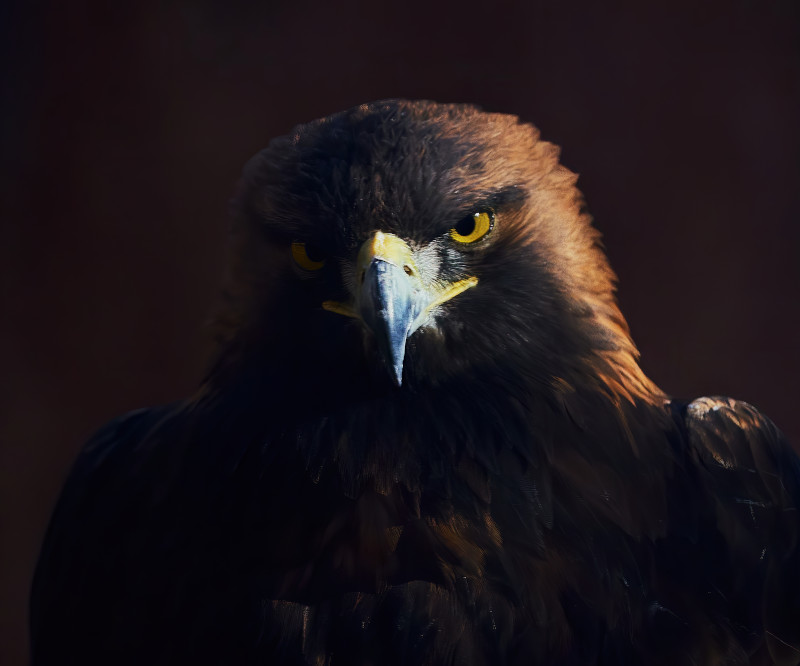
x=125, y=126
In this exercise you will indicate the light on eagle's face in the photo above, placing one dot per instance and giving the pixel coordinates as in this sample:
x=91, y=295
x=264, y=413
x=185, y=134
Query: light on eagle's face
x=393, y=297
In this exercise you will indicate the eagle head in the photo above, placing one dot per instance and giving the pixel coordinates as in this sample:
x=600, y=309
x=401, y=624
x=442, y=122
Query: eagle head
x=400, y=244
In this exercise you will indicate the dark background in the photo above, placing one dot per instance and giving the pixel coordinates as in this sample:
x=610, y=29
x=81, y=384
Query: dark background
x=125, y=126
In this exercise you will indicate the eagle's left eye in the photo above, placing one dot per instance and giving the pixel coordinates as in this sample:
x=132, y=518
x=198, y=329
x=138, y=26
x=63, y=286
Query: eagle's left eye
x=307, y=256
x=473, y=227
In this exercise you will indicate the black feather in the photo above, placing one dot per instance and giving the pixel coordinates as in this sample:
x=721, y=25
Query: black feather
x=527, y=496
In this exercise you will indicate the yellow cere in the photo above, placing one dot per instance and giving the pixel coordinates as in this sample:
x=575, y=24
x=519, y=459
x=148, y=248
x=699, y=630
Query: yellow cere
x=301, y=258
x=388, y=248
x=473, y=228
x=394, y=250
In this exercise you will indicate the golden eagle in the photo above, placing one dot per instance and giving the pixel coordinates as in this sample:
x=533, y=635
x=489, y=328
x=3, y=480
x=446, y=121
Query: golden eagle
x=424, y=439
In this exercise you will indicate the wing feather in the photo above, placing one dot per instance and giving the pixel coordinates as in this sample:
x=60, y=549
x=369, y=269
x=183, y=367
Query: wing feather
x=754, y=477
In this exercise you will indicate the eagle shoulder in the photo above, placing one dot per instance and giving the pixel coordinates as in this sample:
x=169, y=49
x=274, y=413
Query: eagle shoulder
x=79, y=551
x=753, y=478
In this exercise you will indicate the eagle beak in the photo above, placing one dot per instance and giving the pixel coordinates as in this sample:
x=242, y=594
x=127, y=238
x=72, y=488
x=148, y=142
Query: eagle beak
x=392, y=298
x=389, y=305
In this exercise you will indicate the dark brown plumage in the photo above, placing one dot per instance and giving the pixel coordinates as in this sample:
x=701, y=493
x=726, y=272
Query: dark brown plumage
x=425, y=439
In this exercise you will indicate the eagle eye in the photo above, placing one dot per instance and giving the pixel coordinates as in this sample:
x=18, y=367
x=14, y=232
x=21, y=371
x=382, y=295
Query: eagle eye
x=473, y=227
x=307, y=256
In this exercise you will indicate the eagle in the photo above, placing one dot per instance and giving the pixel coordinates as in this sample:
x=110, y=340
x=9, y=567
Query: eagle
x=423, y=438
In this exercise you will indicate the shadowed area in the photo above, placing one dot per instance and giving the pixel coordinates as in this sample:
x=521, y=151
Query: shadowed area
x=124, y=130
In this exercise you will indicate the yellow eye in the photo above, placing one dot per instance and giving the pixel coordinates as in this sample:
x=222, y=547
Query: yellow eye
x=473, y=227
x=306, y=257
